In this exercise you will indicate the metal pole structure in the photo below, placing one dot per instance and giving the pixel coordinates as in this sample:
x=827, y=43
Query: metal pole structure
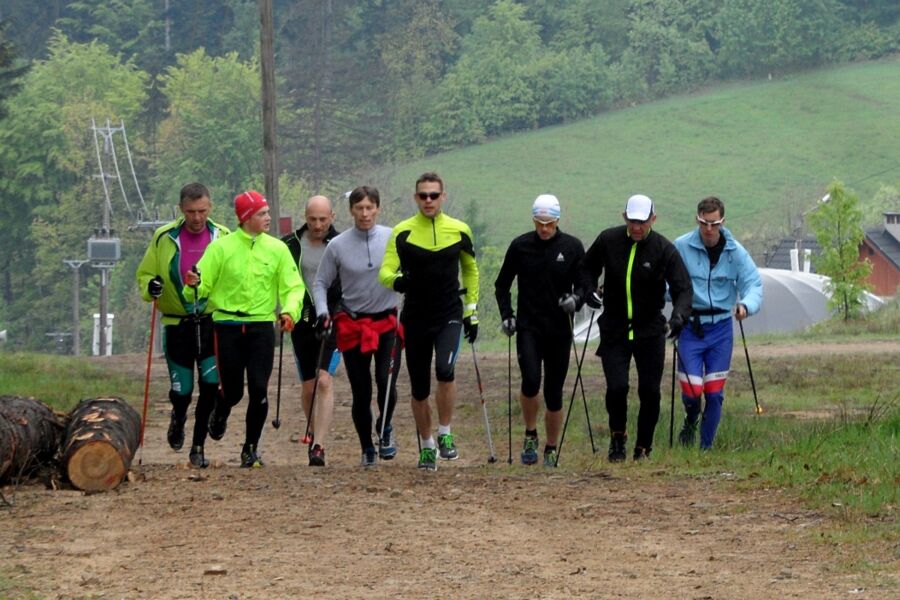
x=76, y=303
x=270, y=146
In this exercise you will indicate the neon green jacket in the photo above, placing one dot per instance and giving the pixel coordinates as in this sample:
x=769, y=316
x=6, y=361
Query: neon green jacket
x=162, y=258
x=245, y=277
x=430, y=254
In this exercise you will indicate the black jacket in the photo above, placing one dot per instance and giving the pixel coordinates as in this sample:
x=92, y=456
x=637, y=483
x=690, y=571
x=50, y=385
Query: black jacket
x=308, y=313
x=656, y=263
x=546, y=271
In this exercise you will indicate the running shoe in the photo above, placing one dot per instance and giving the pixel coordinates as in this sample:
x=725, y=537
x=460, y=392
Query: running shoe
x=617, y=446
x=369, y=458
x=550, y=458
x=688, y=434
x=641, y=453
x=250, y=458
x=175, y=435
x=387, y=449
x=446, y=447
x=197, y=458
x=317, y=456
x=530, y=451
x=217, y=425
x=428, y=459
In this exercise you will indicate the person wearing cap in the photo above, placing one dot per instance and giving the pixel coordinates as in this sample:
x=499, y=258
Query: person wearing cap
x=545, y=264
x=246, y=275
x=174, y=249
x=365, y=320
x=637, y=264
x=721, y=271
x=424, y=259
x=307, y=245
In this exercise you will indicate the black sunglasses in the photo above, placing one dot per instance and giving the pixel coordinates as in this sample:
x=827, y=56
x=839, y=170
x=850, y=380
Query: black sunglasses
x=428, y=195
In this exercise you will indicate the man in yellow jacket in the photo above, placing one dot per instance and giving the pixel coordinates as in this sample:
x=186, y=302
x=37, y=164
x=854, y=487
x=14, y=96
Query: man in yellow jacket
x=246, y=275
x=187, y=328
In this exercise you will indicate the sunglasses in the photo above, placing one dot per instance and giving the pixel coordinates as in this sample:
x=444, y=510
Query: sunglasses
x=705, y=223
x=428, y=195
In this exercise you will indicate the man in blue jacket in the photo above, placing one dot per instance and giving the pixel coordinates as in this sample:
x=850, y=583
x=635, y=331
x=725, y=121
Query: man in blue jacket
x=725, y=282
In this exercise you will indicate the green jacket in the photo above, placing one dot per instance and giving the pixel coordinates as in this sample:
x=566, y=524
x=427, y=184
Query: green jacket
x=162, y=258
x=245, y=277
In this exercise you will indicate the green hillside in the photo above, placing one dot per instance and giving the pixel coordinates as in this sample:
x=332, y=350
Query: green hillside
x=767, y=148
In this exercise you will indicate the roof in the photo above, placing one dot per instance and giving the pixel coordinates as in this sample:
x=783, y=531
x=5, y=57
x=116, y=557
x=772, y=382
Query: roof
x=780, y=256
x=886, y=243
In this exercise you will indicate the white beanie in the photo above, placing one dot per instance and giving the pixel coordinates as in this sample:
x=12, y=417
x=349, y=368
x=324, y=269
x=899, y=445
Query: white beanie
x=545, y=208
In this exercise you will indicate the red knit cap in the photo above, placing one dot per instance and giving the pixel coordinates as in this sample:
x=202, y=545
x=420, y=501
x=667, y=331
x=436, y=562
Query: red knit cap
x=247, y=204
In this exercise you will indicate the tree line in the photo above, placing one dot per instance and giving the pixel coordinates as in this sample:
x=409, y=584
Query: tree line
x=360, y=84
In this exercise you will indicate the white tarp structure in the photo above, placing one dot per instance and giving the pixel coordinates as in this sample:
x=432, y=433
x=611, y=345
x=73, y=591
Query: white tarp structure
x=792, y=301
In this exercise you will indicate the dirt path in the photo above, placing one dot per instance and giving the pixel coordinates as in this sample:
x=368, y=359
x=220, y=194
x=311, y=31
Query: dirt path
x=470, y=530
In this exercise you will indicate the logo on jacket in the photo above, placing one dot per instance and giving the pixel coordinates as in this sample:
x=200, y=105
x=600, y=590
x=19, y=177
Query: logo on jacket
x=560, y=258
x=646, y=265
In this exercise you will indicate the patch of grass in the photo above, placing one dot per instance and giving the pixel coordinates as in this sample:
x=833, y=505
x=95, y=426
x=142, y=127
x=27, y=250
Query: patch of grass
x=61, y=381
x=14, y=591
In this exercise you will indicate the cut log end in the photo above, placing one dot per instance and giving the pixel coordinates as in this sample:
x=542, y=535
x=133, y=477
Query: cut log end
x=96, y=466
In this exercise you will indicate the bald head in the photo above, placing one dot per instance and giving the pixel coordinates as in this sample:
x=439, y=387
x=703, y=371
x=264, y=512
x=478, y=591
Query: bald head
x=319, y=217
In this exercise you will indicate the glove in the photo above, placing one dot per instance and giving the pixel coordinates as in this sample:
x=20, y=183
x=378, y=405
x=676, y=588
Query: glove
x=508, y=326
x=676, y=324
x=401, y=284
x=286, y=322
x=595, y=300
x=569, y=303
x=155, y=287
x=323, y=324
x=470, y=328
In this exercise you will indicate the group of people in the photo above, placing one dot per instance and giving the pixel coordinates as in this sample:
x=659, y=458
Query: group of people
x=371, y=291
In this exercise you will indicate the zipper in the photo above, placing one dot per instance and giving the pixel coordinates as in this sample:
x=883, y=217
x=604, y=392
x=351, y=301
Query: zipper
x=629, y=305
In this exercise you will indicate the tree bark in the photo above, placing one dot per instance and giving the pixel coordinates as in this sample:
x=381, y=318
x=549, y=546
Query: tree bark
x=100, y=442
x=29, y=436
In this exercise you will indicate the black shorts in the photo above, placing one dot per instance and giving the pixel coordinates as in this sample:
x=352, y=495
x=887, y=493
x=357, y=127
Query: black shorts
x=440, y=340
x=306, y=350
x=533, y=349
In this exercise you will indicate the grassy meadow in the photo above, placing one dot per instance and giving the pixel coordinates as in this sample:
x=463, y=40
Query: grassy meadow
x=768, y=149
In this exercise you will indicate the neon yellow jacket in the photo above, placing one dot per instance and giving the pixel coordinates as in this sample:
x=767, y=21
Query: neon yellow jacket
x=246, y=276
x=162, y=258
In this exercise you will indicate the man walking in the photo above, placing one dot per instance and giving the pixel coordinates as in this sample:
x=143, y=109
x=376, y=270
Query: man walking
x=725, y=282
x=637, y=264
x=245, y=274
x=545, y=263
x=423, y=261
x=174, y=249
x=307, y=245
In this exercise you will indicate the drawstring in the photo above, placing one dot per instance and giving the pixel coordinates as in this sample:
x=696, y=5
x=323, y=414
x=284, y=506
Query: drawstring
x=369, y=254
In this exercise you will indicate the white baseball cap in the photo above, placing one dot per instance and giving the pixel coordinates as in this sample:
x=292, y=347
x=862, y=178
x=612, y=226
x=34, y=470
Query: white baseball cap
x=545, y=209
x=639, y=208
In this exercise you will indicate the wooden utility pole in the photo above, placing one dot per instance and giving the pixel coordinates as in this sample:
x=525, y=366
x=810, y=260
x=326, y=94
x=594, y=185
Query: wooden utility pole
x=270, y=146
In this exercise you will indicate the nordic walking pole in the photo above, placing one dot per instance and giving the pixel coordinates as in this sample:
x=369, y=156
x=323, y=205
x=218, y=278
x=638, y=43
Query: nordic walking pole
x=509, y=396
x=580, y=379
x=147, y=380
x=759, y=409
x=276, y=423
x=587, y=336
x=312, y=404
x=197, y=312
x=672, y=409
x=487, y=425
x=392, y=380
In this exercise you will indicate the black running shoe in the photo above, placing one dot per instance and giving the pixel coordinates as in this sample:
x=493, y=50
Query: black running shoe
x=641, y=453
x=387, y=449
x=617, y=446
x=198, y=460
x=688, y=434
x=446, y=448
x=217, y=425
x=250, y=458
x=175, y=435
x=317, y=456
x=369, y=458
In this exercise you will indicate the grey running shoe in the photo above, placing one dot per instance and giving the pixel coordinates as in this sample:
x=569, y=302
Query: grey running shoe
x=530, y=451
x=428, y=459
x=446, y=447
x=550, y=458
x=387, y=449
x=197, y=458
x=369, y=458
x=250, y=458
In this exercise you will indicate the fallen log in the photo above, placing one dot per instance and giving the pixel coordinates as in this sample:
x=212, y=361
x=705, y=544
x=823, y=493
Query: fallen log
x=30, y=433
x=100, y=442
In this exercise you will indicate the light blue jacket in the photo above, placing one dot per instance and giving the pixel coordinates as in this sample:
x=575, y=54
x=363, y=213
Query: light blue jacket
x=734, y=275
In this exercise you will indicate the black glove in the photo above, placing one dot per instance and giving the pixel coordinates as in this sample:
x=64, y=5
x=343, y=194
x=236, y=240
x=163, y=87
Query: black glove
x=508, y=326
x=155, y=287
x=570, y=303
x=401, y=284
x=595, y=300
x=676, y=324
x=470, y=328
x=323, y=324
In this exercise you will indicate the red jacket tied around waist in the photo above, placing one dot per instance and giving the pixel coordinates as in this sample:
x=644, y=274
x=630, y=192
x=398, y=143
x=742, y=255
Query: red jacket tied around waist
x=363, y=332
